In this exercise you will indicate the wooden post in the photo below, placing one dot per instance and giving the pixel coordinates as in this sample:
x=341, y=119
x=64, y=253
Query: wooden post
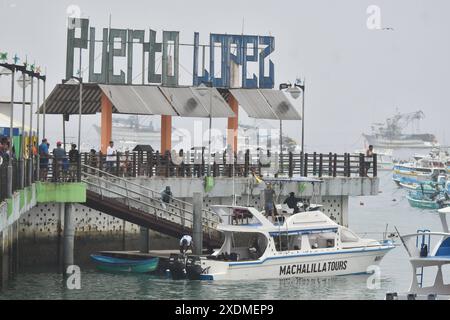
x=375, y=165
x=247, y=163
x=335, y=165
x=134, y=164
x=320, y=165
x=302, y=163
x=314, y=163
x=362, y=165
x=291, y=165
x=305, y=173
x=330, y=164
x=150, y=164
x=117, y=164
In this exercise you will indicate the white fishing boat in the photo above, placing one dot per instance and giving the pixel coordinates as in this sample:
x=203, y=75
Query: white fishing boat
x=429, y=255
x=305, y=244
x=421, y=171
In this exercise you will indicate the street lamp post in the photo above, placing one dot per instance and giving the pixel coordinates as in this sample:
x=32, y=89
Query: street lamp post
x=295, y=91
x=30, y=135
x=23, y=82
x=12, y=69
x=207, y=86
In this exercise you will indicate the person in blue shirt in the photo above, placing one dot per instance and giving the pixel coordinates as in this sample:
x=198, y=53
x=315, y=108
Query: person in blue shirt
x=43, y=159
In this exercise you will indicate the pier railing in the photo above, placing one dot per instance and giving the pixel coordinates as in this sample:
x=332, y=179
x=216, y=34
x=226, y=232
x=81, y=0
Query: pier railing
x=20, y=175
x=149, y=202
x=134, y=164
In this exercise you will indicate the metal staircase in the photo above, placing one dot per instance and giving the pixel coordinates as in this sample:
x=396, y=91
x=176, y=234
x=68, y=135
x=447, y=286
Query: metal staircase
x=143, y=206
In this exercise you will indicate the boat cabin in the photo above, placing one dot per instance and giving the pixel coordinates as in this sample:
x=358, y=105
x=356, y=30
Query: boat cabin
x=250, y=235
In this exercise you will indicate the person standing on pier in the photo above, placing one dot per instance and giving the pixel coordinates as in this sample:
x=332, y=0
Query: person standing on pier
x=59, y=154
x=110, y=157
x=73, y=162
x=369, y=154
x=43, y=159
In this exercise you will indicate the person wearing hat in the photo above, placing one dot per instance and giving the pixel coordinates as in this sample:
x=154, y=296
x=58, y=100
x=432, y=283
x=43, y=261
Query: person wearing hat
x=292, y=201
x=59, y=154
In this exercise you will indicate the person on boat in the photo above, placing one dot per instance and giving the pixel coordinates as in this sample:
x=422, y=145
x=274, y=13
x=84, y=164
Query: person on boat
x=186, y=243
x=269, y=194
x=292, y=201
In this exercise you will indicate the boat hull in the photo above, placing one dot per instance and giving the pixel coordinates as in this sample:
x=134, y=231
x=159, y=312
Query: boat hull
x=314, y=265
x=422, y=204
x=111, y=264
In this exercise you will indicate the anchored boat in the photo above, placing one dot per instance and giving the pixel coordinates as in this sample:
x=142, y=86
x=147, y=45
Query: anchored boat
x=422, y=171
x=306, y=244
x=113, y=264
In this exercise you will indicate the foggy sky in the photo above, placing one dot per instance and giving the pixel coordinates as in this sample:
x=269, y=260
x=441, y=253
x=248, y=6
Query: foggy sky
x=355, y=76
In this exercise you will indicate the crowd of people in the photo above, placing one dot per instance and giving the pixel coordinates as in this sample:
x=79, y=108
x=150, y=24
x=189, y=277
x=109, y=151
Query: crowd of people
x=64, y=166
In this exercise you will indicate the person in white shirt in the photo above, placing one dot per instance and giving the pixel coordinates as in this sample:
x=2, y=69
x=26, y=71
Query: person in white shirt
x=186, y=243
x=110, y=156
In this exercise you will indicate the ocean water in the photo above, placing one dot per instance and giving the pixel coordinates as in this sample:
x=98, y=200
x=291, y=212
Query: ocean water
x=367, y=215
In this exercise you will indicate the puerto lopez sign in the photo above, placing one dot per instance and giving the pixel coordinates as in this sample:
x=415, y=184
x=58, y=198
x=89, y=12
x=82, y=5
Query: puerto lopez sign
x=115, y=43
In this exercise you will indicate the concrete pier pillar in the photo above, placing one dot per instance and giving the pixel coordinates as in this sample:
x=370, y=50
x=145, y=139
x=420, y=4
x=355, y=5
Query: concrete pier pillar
x=14, y=248
x=197, y=235
x=21, y=173
x=344, y=215
x=4, y=258
x=69, y=235
x=9, y=192
x=144, y=240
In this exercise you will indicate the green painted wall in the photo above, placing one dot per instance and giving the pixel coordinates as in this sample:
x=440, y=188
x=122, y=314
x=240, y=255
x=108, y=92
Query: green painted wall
x=61, y=192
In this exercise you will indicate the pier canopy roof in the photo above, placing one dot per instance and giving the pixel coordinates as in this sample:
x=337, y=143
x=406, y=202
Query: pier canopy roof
x=137, y=99
x=266, y=104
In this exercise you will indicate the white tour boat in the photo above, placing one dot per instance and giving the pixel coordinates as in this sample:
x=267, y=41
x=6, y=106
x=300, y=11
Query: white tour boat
x=305, y=244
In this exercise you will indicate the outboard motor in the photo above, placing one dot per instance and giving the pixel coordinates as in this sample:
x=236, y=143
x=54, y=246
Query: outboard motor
x=193, y=268
x=177, y=266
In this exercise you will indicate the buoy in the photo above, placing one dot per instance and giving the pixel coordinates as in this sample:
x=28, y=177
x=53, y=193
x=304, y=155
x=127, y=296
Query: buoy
x=394, y=200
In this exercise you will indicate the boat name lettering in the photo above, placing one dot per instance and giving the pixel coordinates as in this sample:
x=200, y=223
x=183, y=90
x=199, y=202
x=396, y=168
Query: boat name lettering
x=313, y=267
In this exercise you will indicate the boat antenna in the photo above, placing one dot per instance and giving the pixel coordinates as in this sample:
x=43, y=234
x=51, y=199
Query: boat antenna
x=403, y=242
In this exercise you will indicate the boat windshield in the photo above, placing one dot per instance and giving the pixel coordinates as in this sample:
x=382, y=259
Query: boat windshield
x=242, y=246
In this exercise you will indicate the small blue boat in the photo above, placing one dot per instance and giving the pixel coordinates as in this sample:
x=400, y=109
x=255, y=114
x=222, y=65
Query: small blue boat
x=113, y=264
x=425, y=201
